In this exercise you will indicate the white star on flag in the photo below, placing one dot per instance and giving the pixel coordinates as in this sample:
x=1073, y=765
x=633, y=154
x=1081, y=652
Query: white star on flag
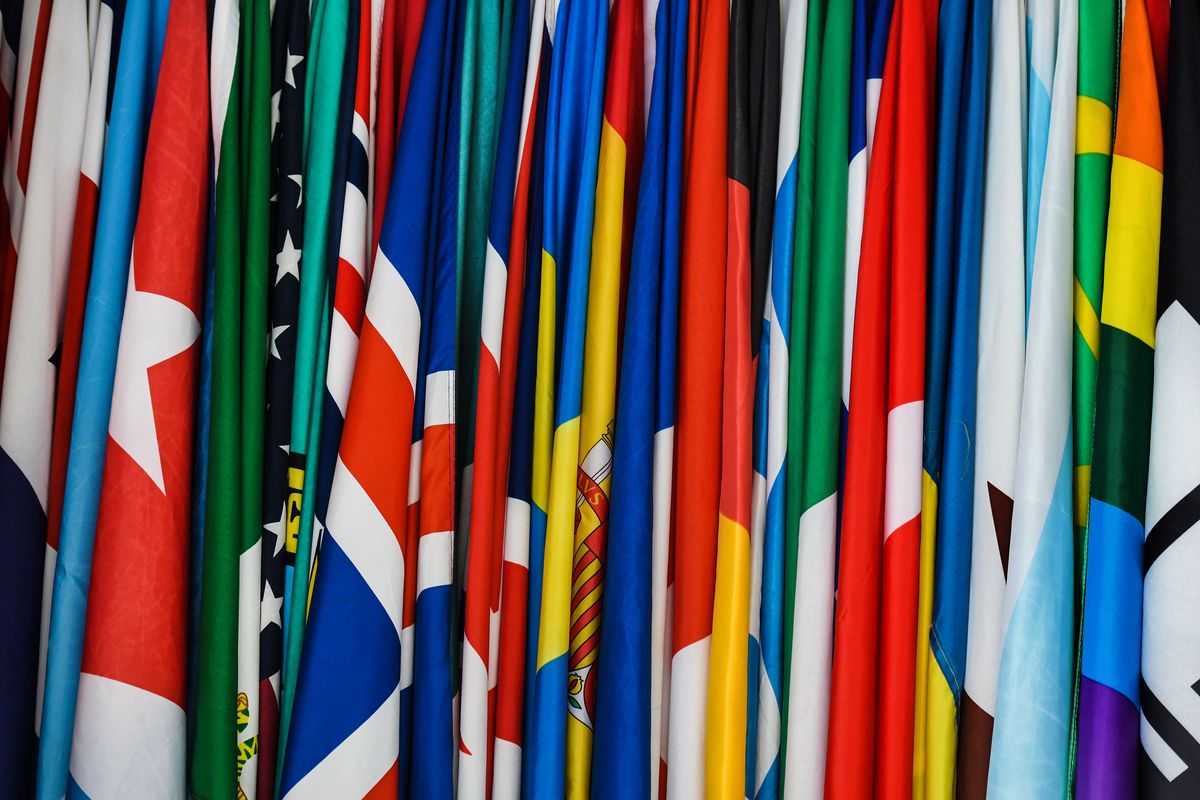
x=278, y=529
x=275, y=333
x=289, y=76
x=287, y=262
x=154, y=329
x=272, y=606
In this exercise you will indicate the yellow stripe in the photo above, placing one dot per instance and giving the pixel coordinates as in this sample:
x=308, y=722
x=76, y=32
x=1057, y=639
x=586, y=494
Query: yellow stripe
x=560, y=530
x=941, y=738
x=1083, y=486
x=725, y=747
x=1086, y=320
x=1093, y=126
x=929, y=505
x=543, y=390
x=1131, y=255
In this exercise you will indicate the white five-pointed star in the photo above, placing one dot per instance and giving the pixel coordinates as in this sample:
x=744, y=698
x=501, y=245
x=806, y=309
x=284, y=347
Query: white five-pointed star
x=272, y=607
x=155, y=328
x=275, y=112
x=275, y=332
x=279, y=529
x=287, y=262
x=289, y=76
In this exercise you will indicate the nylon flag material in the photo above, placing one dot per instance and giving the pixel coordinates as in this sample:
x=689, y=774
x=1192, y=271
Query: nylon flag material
x=701, y=369
x=1000, y=373
x=1106, y=763
x=821, y=262
x=951, y=57
x=525, y=249
x=906, y=392
x=131, y=701
x=60, y=654
x=328, y=36
x=10, y=35
x=42, y=204
x=347, y=736
x=289, y=47
x=771, y=415
x=225, y=744
x=141, y=35
x=30, y=318
x=1093, y=166
x=487, y=29
x=499, y=329
x=1030, y=748
x=1168, y=766
x=725, y=746
x=627, y=747
x=574, y=121
x=618, y=169
x=959, y=244
x=760, y=62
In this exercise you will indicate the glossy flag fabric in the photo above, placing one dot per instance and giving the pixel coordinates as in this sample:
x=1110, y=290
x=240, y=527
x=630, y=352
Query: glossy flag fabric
x=770, y=421
x=1001, y=365
x=1106, y=763
x=698, y=442
x=128, y=115
x=574, y=121
x=499, y=328
x=131, y=701
x=1170, y=740
x=959, y=245
x=516, y=576
x=60, y=600
x=289, y=45
x=1031, y=740
x=619, y=166
x=1093, y=165
x=627, y=745
x=42, y=208
x=224, y=743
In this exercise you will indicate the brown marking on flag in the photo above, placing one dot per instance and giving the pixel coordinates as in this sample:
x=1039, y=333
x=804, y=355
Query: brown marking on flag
x=1002, y=514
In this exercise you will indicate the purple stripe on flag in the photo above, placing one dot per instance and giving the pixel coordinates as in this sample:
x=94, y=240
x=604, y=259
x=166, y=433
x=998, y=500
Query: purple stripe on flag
x=1107, y=741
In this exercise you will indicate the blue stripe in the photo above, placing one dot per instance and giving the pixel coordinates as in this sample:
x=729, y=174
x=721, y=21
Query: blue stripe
x=1112, y=632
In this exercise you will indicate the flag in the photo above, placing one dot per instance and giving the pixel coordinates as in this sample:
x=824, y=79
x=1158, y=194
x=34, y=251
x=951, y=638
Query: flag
x=1168, y=765
x=513, y=664
x=550, y=294
x=701, y=367
x=289, y=47
x=131, y=701
x=629, y=689
x=347, y=734
x=30, y=318
x=123, y=101
x=224, y=741
x=1001, y=366
x=1106, y=763
x=501, y=316
x=771, y=416
x=1031, y=743
x=42, y=200
x=958, y=210
x=10, y=35
x=725, y=745
x=619, y=166
x=1093, y=165
x=61, y=672
x=905, y=402
x=760, y=61
x=573, y=144
x=487, y=36
x=328, y=35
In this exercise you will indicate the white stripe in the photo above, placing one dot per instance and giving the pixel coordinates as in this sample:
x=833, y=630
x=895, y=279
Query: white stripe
x=689, y=705
x=357, y=764
x=472, y=755
x=223, y=46
x=435, y=560
x=516, y=532
x=117, y=727
x=368, y=541
x=495, y=277
x=439, y=398
x=902, y=497
x=506, y=772
x=339, y=372
x=812, y=648
x=394, y=312
x=660, y=599
x=249, y=634
x=352, y=248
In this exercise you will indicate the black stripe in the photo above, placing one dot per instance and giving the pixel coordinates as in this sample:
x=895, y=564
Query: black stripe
x=1181, y=518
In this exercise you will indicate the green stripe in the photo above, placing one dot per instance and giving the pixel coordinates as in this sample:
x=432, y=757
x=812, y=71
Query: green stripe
x=1122, y=440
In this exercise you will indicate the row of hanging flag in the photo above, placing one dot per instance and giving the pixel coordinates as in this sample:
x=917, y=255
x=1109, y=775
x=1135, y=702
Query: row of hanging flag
x=629, y=399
